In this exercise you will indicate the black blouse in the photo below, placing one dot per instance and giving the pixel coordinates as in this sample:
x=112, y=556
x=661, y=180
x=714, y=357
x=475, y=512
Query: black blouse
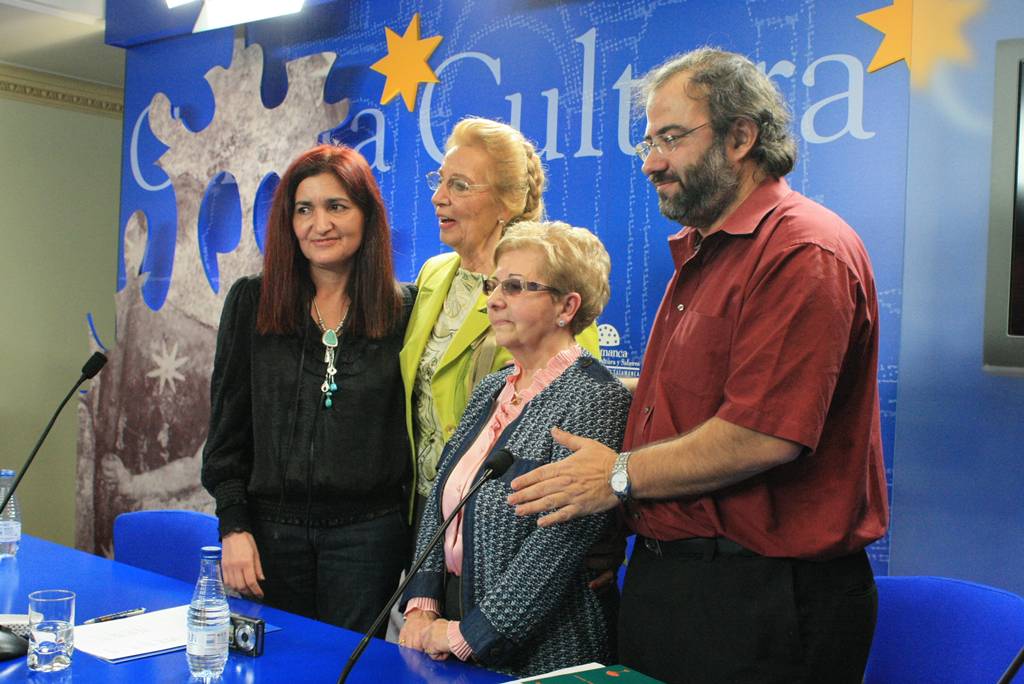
x=274, y=452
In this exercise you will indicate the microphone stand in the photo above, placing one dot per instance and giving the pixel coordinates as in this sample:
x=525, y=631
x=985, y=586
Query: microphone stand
x=1011, y=671
x=91, y=368
x=496, y=469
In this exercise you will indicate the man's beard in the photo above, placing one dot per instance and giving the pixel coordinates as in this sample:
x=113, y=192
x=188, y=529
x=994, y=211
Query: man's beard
x=707, y=189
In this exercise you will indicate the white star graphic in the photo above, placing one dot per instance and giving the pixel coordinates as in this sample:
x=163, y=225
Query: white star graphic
x=167, y=365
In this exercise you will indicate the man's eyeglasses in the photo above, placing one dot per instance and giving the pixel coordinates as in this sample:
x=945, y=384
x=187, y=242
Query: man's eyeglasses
x=456, y=186
x=663, y=144
x=513, y=286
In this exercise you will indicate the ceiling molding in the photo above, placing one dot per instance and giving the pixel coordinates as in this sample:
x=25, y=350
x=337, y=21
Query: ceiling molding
x=38, y=87
x=87, y=12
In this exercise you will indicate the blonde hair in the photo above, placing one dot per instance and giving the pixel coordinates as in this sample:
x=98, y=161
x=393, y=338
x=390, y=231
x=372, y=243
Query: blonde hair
x=575, y=260
x=516, y=174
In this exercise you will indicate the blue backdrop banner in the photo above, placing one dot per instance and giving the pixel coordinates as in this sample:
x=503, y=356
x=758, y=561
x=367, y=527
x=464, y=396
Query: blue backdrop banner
x=211, y=119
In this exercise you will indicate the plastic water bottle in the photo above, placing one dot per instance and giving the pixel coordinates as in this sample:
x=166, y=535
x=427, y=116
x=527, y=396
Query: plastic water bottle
x=10, y=518
x=209, y=619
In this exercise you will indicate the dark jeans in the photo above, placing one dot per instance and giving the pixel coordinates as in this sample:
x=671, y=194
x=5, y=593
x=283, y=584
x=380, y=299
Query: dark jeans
x=342, y=575
x=740, y=617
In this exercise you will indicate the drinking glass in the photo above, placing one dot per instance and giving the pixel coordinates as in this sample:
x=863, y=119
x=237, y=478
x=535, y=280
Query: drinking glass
x=51, y=622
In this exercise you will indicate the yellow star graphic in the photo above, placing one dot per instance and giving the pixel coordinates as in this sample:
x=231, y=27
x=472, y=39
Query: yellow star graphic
x=894, y=21
x=922, y=37
x=406, y=63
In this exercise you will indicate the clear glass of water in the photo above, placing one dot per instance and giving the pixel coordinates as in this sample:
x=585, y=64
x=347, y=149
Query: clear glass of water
x=51, y=623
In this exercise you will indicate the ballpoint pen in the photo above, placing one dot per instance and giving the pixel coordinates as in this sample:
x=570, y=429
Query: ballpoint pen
x=115, y=616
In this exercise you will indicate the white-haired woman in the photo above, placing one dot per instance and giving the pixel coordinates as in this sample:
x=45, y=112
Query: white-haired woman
x=503, y=591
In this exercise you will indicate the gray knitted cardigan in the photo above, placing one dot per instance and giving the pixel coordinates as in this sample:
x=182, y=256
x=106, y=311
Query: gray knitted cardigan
x=526, y=606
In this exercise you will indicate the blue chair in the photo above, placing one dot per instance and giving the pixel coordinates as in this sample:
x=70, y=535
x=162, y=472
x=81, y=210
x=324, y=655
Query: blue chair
x=166, y=542
x=620, y=576
x=934, y=629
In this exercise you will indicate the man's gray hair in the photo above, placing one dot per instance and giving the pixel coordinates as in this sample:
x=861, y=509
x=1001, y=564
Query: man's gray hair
x=734, y=88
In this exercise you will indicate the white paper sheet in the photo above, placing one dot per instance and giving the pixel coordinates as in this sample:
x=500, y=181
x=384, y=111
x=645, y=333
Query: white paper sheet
x=563, y=671
x=134, y=637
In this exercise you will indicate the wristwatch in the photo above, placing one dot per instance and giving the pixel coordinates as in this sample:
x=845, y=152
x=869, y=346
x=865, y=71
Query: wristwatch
x=619, y=479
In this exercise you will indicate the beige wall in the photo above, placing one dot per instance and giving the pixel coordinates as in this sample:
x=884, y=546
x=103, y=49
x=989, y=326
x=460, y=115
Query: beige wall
x=59, y=179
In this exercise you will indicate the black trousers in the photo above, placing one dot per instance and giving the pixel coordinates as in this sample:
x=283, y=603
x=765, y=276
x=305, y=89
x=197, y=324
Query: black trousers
x=342, y=575
x=692, y=612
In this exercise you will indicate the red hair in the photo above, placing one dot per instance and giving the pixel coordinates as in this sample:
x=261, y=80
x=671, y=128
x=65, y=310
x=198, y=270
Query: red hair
x=287, y=287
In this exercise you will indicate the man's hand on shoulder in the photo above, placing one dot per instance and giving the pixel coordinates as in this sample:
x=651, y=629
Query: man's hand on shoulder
x=571, y=488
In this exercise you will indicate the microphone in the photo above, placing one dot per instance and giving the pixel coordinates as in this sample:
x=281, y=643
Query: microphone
x=495, y=466
x=93, y=366
x=89, y=370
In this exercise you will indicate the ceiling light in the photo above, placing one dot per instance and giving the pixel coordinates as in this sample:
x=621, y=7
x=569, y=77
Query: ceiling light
x=220, y=13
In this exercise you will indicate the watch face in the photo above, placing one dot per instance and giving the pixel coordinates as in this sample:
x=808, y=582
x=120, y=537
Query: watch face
x=619, y=481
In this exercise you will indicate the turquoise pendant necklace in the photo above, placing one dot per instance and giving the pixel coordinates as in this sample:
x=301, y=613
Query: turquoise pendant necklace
x=330, y=342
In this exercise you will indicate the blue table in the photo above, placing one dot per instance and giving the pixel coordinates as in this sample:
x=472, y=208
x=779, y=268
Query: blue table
x=303, y=650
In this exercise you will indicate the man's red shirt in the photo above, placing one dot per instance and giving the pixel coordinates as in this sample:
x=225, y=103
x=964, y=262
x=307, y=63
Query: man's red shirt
x=771, y=323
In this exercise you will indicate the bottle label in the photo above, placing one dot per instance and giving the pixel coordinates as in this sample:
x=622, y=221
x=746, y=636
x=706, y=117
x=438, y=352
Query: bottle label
x=10, y=531
x=209, y=641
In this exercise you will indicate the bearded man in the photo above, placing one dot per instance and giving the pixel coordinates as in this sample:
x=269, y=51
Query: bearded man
x=753, y=473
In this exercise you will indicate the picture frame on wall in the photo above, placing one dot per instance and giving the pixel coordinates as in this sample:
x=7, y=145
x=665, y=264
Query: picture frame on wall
x=1004, y=292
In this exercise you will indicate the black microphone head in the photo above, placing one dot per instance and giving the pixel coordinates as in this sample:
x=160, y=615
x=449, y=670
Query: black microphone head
x=499, y=462
x=93, y=365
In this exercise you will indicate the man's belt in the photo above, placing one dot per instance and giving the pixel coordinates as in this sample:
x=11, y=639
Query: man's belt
x=697, y=547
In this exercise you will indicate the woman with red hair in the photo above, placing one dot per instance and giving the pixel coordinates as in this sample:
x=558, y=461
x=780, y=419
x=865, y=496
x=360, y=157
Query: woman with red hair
x=307, y=454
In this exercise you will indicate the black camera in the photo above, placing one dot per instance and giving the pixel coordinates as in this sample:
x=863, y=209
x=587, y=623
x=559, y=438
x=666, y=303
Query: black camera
x=246, y=635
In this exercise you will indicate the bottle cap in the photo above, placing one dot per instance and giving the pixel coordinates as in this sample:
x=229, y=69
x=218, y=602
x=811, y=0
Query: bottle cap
x=211, y=552
x=6, y=473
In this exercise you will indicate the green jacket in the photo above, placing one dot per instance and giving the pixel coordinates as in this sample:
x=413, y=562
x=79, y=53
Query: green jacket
x=471, y=355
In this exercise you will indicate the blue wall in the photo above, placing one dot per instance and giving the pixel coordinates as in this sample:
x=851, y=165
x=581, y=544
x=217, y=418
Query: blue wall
x=959, y=462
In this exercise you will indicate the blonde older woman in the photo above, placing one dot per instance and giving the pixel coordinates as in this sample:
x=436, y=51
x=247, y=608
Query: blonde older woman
x=491, y=178
x=503, y=591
